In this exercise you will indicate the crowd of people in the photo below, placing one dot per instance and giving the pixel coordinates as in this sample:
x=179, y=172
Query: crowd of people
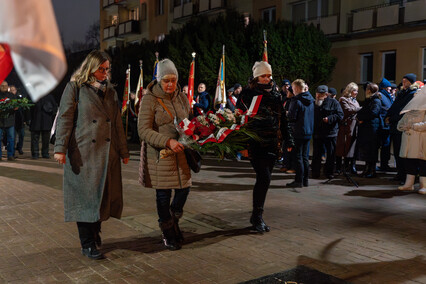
x=38, y=118
x=91, y=139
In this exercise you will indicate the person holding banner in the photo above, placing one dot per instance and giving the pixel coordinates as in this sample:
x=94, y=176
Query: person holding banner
x=90, y=142
x=162, y=105
x=263, y=104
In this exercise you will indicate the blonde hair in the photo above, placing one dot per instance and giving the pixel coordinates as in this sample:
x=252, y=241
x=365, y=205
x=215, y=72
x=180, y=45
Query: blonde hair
x=84, y=74
x=349, y=89
x=300, y=83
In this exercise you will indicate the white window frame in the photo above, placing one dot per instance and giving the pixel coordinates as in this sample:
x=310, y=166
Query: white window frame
x=319, y=5
x=362, y=56
x=383, y=64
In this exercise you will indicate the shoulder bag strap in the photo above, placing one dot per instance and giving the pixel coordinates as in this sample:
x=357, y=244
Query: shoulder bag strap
x=165, y=108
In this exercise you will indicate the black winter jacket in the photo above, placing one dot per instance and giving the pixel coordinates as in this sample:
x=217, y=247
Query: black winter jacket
x=10, y=120
x=269, y=118
x=331, y=109
x=402, y=99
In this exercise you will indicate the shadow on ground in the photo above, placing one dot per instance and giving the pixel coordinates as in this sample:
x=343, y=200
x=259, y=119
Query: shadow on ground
x=378, y=193
x=368, y=272
x=154, y=244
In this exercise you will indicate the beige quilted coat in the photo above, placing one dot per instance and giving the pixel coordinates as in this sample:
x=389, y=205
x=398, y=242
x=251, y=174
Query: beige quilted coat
x=156, y=127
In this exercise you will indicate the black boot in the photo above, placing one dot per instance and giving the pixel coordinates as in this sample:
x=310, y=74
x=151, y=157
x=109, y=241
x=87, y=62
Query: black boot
x=372, y=172
x=176, y=216
x=87, y=240
x=169, y=235
x=346, y=165
x=257, y=221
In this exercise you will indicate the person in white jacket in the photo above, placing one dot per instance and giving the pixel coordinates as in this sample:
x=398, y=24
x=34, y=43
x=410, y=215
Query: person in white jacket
x=413, y=145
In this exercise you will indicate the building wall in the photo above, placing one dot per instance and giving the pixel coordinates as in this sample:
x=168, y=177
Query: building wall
x=408, y=47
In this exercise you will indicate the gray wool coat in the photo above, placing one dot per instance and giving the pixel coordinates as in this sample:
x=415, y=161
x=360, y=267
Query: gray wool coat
x=156, y=127
x=92, y=172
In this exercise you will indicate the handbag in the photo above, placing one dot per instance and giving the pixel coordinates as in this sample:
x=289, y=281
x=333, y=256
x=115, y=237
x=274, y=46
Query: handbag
x=193, y=157
x=53, y=129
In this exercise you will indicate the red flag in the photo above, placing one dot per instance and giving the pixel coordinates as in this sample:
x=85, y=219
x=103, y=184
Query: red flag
x=265, y=47
x=126, y=92
x=6, y=63
x=191, y=80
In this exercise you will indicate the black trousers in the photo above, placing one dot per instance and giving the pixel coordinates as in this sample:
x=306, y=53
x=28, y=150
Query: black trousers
x=400, y=167
x=321, y=146
x=263, y=166
x=163, y=197
x=302, y=160
x=384, y=138
x=415, y=166
x=35, y=138
x=87, y=233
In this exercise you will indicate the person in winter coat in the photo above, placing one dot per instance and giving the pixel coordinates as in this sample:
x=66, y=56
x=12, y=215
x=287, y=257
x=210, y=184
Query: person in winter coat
x=201, y=102
x=90, y=141
x=384, y=135
x=42, y=117
x=301, y=119
x=369, y=125
x=267, y=121
x=346, y=138
x=327, y=115
x=413, y=143
x=7, y=125
x=22, y=116
x=161, y=106
x=393, y=116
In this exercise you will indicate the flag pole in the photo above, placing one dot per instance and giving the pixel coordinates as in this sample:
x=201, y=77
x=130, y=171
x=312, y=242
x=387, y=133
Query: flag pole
x=223, y=103
x=127, y=109
x=139, y=89
x=191, y=82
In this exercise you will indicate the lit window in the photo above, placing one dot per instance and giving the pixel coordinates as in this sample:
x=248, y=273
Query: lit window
x=389, y=65
x=366, y=67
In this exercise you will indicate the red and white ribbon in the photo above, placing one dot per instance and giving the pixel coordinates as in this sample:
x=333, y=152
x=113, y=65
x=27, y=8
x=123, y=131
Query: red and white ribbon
x=254, y=106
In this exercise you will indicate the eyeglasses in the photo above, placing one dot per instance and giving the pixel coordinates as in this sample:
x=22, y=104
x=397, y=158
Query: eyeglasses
x=102, y=69
x=166, y=81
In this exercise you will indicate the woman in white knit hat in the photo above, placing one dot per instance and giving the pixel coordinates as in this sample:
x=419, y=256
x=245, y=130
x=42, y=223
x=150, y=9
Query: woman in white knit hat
x=162, y=104
x=267, y=120
x=413, y=143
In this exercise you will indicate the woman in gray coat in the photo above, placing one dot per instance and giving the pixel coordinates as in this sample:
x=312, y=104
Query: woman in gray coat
x=160, y=107
x=90, y=141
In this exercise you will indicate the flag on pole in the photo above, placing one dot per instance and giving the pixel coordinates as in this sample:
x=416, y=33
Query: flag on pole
x=29, y=29
x=6, y=64
x=191, y=80
x=126, y=92
x=154, y=75
x=265, y=47
x=139, y=89
x=220, y=96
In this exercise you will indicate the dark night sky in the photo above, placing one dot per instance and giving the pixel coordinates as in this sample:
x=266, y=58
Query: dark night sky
x=74, y=18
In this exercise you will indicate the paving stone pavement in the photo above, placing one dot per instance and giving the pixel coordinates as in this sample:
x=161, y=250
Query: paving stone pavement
x=370, y=234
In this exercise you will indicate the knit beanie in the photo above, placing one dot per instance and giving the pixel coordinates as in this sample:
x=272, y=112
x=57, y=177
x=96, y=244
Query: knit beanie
x=166, y=67
x=261, y=68
x=384, y=84
x=410, y=77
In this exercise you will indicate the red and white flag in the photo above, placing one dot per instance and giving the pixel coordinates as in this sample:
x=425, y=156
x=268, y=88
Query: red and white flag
x=29, y=29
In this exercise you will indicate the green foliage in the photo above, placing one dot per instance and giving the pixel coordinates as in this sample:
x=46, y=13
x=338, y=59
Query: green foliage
x=294, y=51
